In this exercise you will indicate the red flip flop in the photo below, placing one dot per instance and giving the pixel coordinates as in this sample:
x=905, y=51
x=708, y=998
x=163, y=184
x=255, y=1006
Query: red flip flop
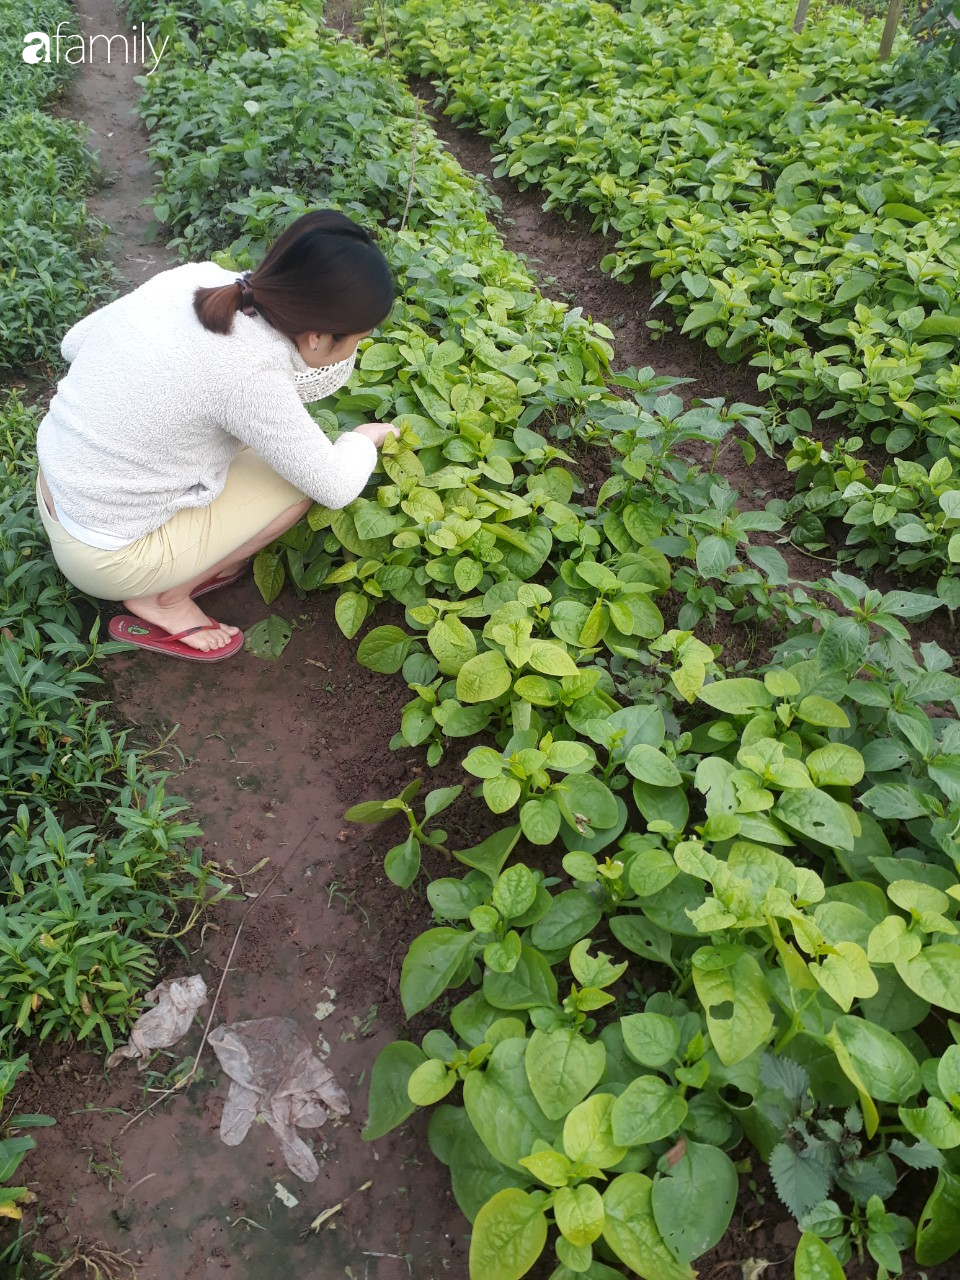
x=211, y=584
x=146, y=635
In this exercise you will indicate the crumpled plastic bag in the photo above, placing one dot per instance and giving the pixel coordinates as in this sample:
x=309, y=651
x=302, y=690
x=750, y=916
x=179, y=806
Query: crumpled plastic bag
x=274, y=1073
x=175, y=1004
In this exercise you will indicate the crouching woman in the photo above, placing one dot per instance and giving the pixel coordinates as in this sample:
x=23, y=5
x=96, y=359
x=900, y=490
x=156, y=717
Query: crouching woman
x=177, y=444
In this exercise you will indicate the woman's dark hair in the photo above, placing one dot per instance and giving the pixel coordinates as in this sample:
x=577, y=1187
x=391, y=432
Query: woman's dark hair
x=324, y=274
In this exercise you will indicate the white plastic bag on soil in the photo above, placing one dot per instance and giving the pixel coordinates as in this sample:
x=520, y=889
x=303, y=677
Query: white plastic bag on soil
x=274, y=1073
x=175, y=1004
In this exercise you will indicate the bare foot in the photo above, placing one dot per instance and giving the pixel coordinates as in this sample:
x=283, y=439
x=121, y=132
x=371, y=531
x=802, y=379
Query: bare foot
x=181, y=616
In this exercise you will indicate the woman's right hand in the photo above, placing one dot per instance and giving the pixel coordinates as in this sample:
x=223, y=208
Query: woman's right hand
x=377, y=431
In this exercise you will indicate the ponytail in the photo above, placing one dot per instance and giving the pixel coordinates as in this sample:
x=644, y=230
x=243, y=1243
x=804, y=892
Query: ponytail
x=215, y=307
x=324, y=274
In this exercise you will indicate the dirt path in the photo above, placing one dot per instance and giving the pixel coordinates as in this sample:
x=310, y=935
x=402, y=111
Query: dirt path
x=102, y=96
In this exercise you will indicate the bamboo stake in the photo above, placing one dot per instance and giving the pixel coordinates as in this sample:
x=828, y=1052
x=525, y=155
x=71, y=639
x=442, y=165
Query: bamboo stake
x=801, y=15
x=889, y=29
x=413, y=164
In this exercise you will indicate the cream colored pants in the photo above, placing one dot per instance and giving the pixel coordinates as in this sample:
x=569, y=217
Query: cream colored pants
x=191, y=542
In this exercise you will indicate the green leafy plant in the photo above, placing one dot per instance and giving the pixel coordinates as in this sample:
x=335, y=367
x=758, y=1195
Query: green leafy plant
x=760, y=203
x=402, y=862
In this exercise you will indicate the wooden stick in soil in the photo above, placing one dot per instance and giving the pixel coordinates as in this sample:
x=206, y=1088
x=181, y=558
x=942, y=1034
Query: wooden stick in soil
x=889, y=30
x=801, y=15
x=413, y=164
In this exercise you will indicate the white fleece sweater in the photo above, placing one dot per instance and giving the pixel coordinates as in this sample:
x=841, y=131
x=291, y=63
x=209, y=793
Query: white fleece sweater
x=154, y=407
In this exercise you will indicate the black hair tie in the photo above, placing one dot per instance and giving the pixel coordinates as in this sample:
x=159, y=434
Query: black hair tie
x=246, y=294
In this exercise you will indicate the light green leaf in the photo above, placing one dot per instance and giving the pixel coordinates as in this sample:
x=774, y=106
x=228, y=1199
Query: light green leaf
x=738, y=696
x=350, y=612
x=549, y=1167
x=540, y=820
x=883, y=1062
x=483, y=678
x=588, y=1133
x=551, y=659
x=384, y=649
x=835, y=765
x=578, y=1212
x=648, y=1109
x=845, y=974
x=515, y=890
x=934, y=975
x=815, y=1260
x=631, y=1232
x=652, y=1039
x=452, y=644
x=508, y=1236
x=734, y=995
x=934, y=1123
x=430, y=1082
x=652, y=766
x=820, y=711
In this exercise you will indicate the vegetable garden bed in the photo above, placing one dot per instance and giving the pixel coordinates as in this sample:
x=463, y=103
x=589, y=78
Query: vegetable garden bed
x=696, y=918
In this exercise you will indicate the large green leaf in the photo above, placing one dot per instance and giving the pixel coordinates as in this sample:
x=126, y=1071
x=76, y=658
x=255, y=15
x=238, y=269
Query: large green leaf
x=489, y=855
x=502, y=1108
x=694, y=1201
x=483, y=678
x=934, y=975
x=938, y=1230
x=740, y=696
x=631, y=1232
x=884, y=1063
x=652, y=1039
x=508, y=1237
x=815, y=1260
x=389, y=1103
x=652, y=766
x=585, y=802
x=384, y=649
x=474, y=1174
x=432, y=963
x=571, y=916
x=815, y=814
x=452, y=643
x=529, y=985
x=732, y=988
x=562, y=1067
x=648, y=1109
